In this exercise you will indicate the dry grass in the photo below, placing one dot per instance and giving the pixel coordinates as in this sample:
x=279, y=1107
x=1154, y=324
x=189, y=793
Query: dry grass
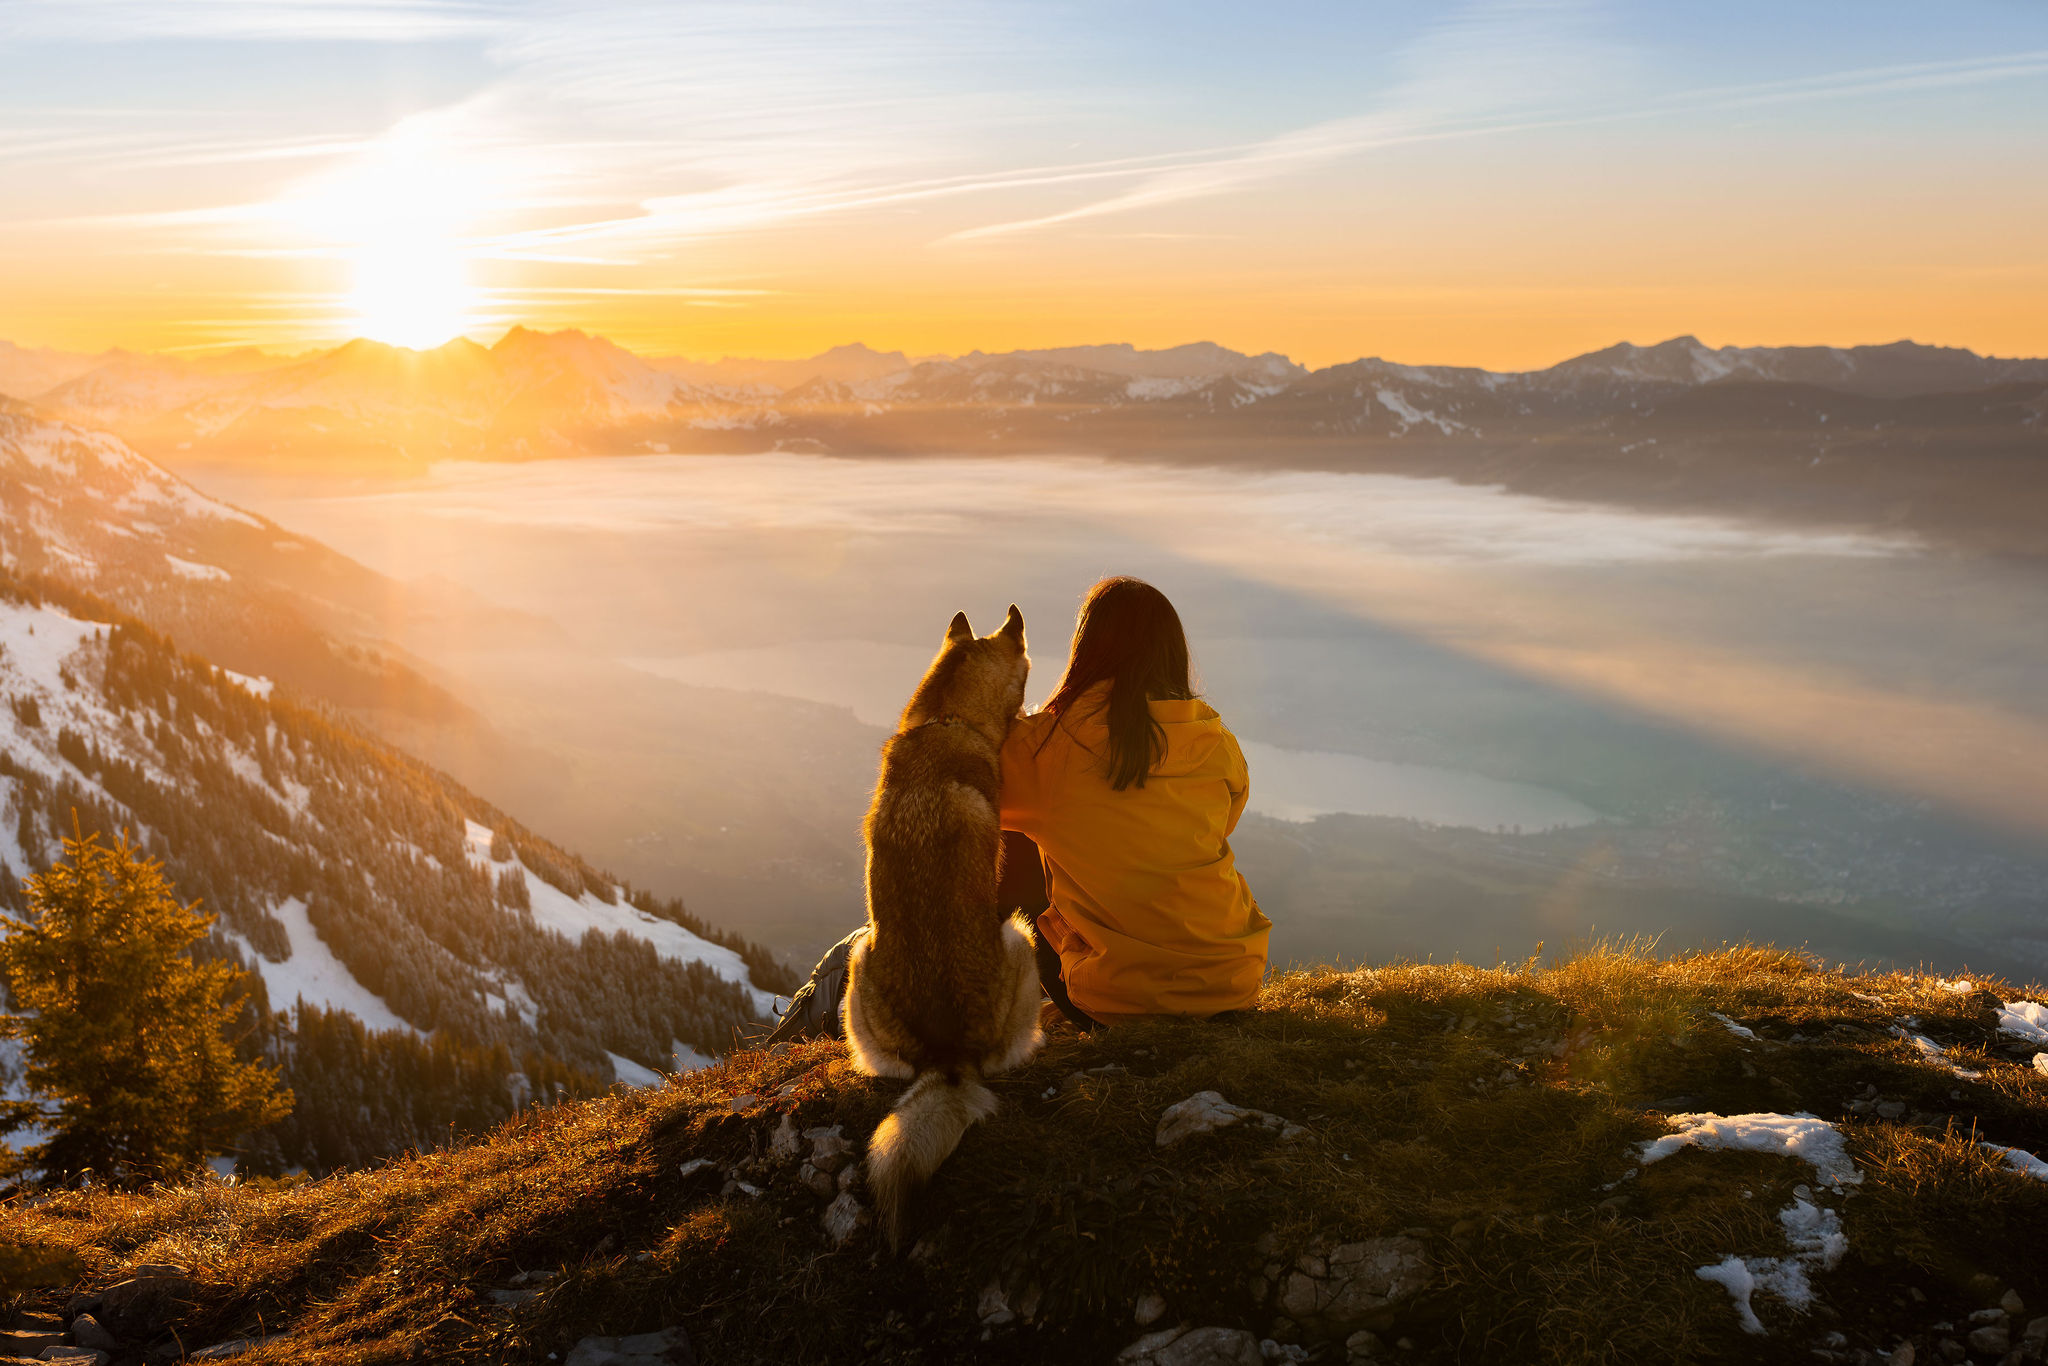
x=1489, y=1111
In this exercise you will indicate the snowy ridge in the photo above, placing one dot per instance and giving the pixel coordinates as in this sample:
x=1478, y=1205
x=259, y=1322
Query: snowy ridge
x=574, y=917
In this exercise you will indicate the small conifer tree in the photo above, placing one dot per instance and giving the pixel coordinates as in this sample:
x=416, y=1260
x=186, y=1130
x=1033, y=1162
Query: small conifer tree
x=125, y=1036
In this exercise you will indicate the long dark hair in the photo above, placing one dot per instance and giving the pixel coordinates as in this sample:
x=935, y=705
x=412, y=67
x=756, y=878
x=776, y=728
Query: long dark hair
x=1128, y=635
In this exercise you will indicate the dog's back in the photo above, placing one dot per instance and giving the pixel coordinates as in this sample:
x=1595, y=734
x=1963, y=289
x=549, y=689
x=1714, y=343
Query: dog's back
x=933, y=849
x=944, y=989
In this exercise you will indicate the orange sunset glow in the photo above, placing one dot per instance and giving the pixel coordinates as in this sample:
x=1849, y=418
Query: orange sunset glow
x=1163, y=683
x=1500, y=187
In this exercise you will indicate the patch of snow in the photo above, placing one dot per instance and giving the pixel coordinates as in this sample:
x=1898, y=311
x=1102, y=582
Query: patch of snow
x=1815, y=1236
x=1155, y=387
x=37, y=640
x=688, y=1059
x=1814, y=1233
x=314, y=975
x=1933, y=1052
x=2041, y=1063
x=2019, y=1159
x=1412, y=416
x=574, y=917
x=513, y=995
x=1801, y=1135
x=476, y=843
x=1738, y=1030
x=1735, y=1276
x=192, y=569
x=632, y=1073
x=256, y=685
x=2025, y=1019
x=1961, y=986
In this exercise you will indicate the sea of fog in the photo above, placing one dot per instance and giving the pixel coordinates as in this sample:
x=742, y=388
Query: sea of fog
x=1348, y=626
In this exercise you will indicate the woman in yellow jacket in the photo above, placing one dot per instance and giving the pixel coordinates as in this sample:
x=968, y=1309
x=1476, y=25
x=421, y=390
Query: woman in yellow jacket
x=1130, y=786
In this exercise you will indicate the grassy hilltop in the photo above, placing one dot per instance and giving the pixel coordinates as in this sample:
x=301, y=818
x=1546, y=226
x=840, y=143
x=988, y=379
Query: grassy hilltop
x=1479, y=1133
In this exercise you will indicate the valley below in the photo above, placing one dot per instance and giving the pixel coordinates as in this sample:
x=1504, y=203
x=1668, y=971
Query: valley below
x=1569, y=719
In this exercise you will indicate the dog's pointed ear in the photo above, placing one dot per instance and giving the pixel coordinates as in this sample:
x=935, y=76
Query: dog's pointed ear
x=959, y=630
x=1013, y=625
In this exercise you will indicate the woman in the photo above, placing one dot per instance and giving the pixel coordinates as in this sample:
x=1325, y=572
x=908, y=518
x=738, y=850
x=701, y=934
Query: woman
x=1130, y=786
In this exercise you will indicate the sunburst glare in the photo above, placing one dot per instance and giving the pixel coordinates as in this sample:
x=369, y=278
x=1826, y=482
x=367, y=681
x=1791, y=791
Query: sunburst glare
x=410, y=293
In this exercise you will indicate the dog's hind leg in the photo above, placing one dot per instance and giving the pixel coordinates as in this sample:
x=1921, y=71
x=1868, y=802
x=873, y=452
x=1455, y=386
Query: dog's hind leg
x=862, y=1040
x=1021, y=1033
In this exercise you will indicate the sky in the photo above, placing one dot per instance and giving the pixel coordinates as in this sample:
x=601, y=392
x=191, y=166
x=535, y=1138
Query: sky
x=1502, y=184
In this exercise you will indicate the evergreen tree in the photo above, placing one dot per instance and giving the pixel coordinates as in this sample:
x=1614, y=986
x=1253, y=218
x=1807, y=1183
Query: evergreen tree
x=124, y=1032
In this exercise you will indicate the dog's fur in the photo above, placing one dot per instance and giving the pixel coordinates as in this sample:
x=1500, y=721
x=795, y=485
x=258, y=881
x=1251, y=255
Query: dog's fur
x=944, y=988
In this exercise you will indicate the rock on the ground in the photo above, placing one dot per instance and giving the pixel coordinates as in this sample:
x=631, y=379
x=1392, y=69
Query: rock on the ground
x=136, y=1307
x=1193, y=1347
x=29, y=1342
x=1992, y=1340
x=1354, y=1286
x=87, y=1331
x=843, y=1218
x=829, y=1148
x=785, y=1143
x=1363, y=1347
x=1148, y=1310
x=1207, y=1111
x=2035, y=1338
x=77, y=1356
x=669, y=1347
x=992, y=1307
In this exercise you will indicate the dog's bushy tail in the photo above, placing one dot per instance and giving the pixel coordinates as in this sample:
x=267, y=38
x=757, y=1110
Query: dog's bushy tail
x=917, y=1138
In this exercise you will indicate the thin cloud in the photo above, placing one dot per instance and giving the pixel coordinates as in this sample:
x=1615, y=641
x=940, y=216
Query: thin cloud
x=360, y=20
x=1474, y=66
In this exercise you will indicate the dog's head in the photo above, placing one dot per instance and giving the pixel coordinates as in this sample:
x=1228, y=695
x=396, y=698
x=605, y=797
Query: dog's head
x=976, y=679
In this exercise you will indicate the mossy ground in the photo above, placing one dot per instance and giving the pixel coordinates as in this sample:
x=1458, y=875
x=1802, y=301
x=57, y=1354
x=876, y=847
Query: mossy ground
x=1489, y=1112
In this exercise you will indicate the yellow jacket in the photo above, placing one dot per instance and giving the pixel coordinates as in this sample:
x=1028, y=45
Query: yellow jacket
x=1149, y=913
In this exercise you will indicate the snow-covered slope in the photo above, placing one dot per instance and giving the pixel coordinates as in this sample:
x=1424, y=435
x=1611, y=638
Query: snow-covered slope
x=347, y=874
x=108, y=717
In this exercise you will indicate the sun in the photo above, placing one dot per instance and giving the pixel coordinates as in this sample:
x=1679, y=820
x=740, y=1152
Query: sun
x=400, y=215
x=410, y=293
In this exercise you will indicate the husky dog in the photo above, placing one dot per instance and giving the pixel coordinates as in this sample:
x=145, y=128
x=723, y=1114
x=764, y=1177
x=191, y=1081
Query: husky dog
x=944, y=987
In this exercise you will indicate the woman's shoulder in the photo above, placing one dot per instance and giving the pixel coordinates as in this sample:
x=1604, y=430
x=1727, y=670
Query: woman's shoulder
x=1029, y=731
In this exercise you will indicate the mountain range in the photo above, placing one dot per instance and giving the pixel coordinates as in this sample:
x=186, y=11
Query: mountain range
x=1933, y=440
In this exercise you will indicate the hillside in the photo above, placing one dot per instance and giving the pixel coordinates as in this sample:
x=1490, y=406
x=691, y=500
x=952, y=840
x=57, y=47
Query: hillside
x=350, y=878
x=1738, y=1156
x=663, y=785
x=419, y=958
